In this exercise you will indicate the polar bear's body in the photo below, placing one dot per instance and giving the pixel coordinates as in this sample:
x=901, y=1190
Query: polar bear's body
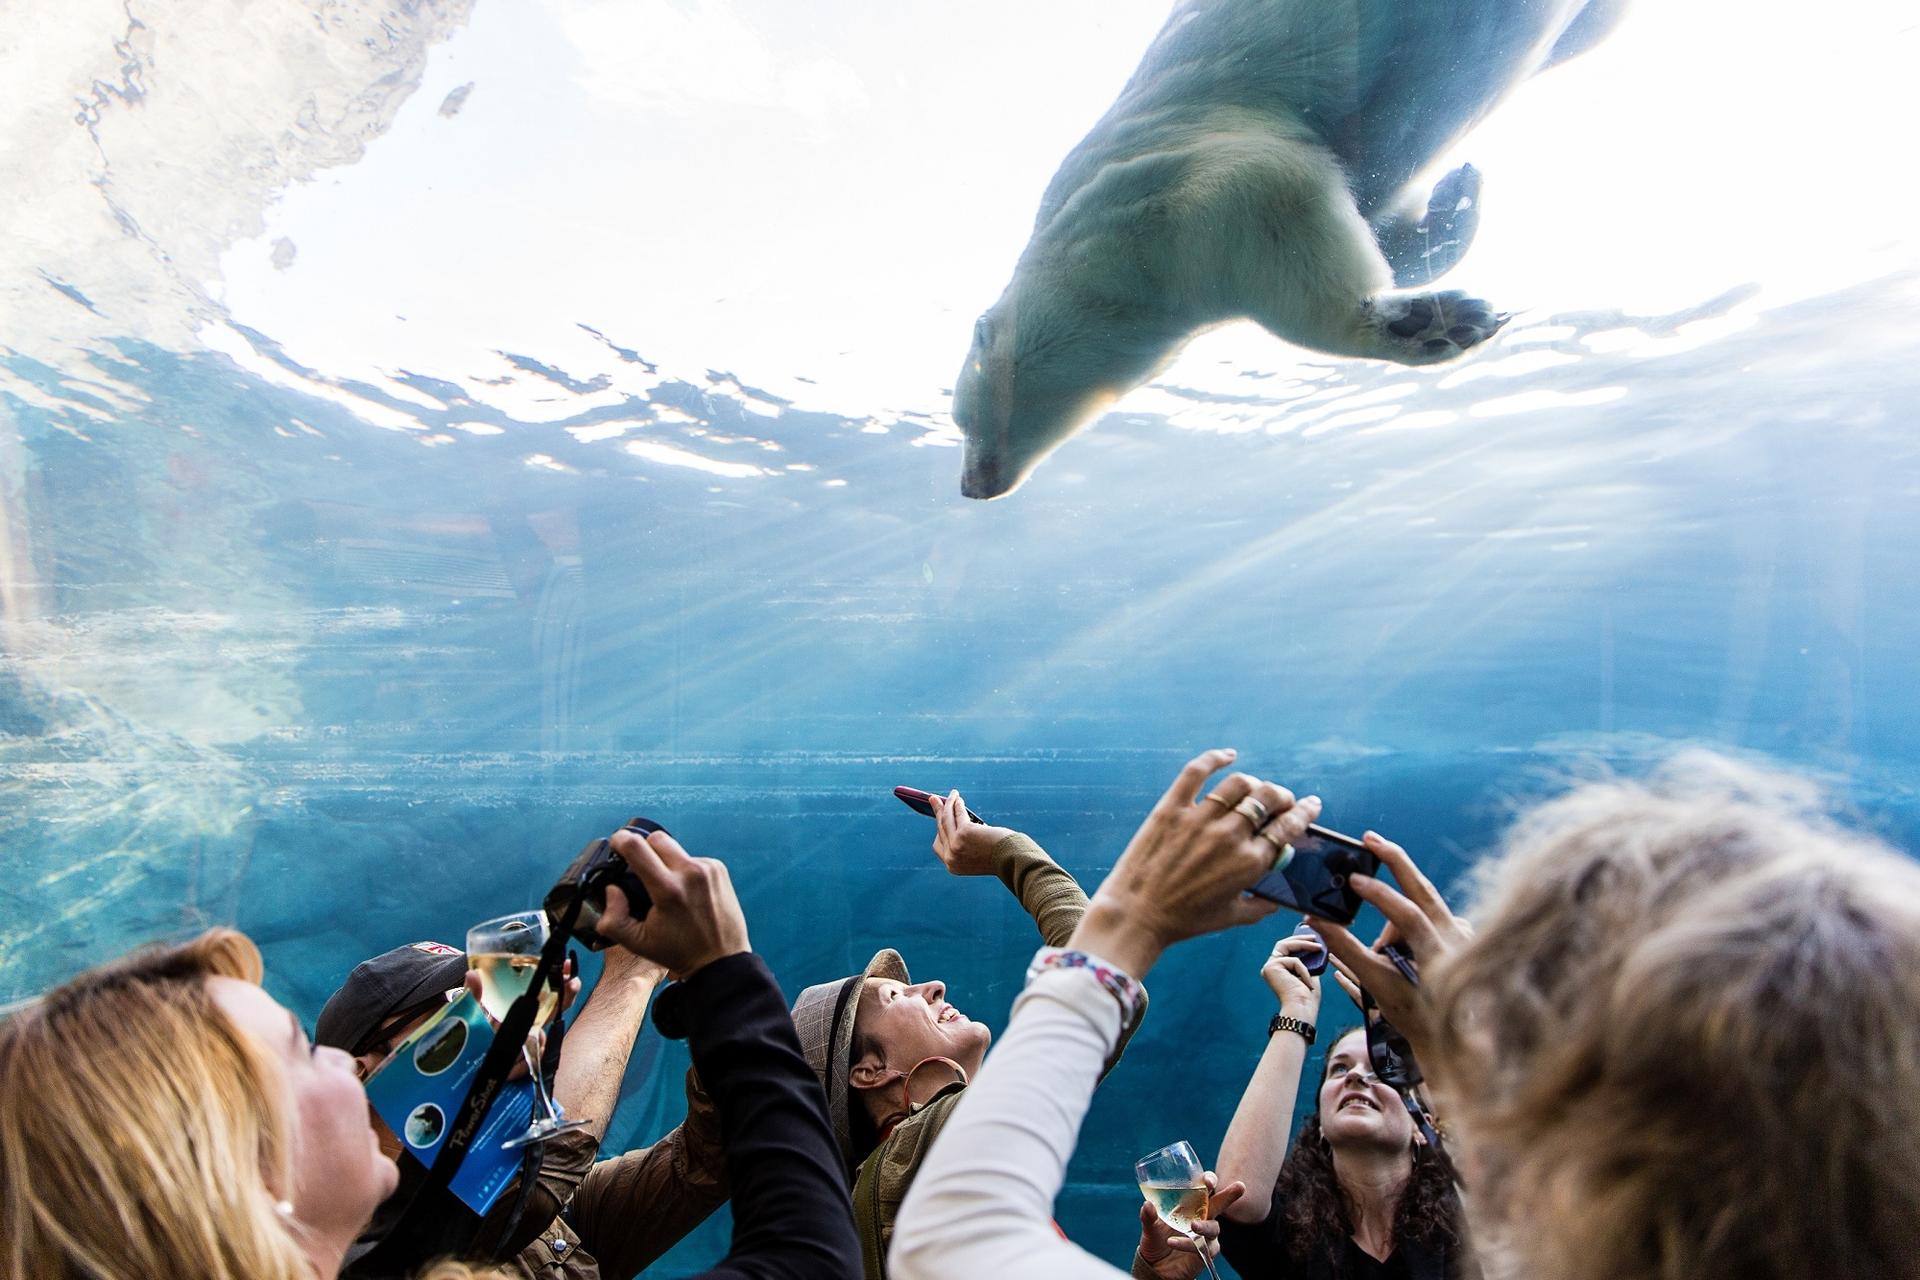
x=1256, y=166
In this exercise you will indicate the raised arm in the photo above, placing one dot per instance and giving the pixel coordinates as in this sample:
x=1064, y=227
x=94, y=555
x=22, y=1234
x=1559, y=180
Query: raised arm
x=1046, y=889
x=1255, y=1146
x=980, y=1204
x=594, y=1059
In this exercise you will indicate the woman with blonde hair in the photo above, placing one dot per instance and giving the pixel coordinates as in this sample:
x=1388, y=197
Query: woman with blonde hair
x=1685, y=1040
x=163, y=1117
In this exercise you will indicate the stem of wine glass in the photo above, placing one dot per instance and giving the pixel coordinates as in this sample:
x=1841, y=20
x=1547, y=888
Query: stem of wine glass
x=539, y=1085
x=1205, y=1261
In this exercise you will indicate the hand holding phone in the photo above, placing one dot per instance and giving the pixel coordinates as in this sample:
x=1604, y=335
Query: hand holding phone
x=921, y=802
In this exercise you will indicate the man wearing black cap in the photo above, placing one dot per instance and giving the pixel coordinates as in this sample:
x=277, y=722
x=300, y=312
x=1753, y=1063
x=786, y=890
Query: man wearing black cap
x=630, y=1209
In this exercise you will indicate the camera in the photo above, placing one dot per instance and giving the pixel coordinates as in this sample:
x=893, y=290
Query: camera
x=586, y=879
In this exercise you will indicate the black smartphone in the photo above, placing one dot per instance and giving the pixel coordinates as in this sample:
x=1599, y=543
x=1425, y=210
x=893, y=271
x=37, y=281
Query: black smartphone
x=921, y=802
x=1314, y=880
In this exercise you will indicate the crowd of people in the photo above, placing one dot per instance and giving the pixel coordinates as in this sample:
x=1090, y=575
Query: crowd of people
x=1680, y=1041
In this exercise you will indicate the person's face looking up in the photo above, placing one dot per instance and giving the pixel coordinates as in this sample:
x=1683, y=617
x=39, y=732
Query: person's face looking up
x=1355, y=1108
x=901, y=1026
x=340, y=1176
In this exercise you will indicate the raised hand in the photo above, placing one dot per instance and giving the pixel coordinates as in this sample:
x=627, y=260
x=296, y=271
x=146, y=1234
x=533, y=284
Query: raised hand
x=1186, y=869
x=1419, y=918
x=964, y=847
x=1286, y=976
x=696, y=918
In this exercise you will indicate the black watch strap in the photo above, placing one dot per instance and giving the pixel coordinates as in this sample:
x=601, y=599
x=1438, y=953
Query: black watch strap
x=1281, y=1022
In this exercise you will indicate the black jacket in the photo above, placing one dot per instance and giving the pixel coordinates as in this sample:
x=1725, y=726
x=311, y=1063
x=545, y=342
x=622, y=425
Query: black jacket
x=792, y=1218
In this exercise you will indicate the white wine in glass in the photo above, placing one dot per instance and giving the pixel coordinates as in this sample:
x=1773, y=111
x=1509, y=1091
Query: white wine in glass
x=1178, y=1206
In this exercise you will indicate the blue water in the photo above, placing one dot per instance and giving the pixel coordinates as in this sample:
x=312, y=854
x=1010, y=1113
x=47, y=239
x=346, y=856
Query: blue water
x=269, y=661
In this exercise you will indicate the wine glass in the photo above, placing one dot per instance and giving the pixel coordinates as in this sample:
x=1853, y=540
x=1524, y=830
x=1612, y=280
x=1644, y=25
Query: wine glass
x=1174, y=1183
x=505, y=953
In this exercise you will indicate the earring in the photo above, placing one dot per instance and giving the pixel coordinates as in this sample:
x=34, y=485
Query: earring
x=284, y=1208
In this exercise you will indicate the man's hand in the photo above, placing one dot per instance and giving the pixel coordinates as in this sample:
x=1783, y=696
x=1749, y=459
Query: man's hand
x=964, y=847
x=1186, y=869
x=1170, y=1254
x=696, y=918
x=1417, y=917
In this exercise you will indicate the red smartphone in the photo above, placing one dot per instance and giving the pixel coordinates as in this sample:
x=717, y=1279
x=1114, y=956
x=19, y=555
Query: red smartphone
x=921, y=802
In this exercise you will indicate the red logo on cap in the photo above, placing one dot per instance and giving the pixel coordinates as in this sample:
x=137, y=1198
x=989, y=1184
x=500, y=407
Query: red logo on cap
x=435, y=948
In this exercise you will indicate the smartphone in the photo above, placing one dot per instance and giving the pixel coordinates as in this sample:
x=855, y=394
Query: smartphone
x=1316, y=961
x=921, y=802
x=1314, y=880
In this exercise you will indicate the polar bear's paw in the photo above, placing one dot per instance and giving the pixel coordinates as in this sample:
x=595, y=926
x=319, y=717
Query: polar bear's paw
x=1425, y=328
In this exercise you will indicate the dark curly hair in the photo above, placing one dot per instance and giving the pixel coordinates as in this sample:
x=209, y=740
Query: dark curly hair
x=1319, y=1220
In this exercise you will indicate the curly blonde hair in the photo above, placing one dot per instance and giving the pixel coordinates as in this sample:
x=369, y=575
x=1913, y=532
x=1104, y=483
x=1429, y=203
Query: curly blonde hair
x=140, y=1129
x=1685, y=1043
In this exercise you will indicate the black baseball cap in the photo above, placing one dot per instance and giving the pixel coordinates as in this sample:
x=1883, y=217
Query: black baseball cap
x=390, y=983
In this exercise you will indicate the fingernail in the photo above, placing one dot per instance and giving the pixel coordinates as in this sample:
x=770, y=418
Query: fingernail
x=1313, y=800
x=1359, y=877
x=1231, y=753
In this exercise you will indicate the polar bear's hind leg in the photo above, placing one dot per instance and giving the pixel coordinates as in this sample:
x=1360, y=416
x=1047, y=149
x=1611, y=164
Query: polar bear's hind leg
x=1324, y=282
x=1423, y=247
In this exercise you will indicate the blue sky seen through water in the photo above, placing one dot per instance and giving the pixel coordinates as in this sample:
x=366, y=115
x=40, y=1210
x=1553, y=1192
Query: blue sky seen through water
x=467, y=468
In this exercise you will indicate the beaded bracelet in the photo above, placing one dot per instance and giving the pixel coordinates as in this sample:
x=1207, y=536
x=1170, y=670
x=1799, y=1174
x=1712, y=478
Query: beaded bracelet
x=1119, y=984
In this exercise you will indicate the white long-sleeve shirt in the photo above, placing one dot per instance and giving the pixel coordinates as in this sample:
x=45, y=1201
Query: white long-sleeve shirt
x=981, y=1204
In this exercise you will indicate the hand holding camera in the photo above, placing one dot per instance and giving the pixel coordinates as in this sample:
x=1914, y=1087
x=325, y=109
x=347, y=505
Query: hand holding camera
x=694, y=918
x=1418, y=922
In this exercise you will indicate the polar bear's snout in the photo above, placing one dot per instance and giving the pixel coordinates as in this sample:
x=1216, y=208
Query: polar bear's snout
x=980, y=476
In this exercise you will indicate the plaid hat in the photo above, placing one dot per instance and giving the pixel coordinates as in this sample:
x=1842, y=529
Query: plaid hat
x=823, y=1015
x=388, y=984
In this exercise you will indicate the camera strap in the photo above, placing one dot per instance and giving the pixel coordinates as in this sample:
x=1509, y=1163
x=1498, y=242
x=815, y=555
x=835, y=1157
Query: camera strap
x=391, y=1255
x=1403, y=1075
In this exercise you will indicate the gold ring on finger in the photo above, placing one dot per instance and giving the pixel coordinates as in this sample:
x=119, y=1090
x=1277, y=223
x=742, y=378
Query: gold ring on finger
x=1253, y=811
x=1218, y=799
x=1283, y=852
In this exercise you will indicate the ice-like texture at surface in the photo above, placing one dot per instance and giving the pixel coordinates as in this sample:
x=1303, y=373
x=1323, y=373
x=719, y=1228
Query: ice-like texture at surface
x=431, y=433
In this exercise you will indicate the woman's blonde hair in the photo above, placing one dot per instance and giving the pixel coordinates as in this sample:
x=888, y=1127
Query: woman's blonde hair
x=1685, y=1044
x=140, y=1127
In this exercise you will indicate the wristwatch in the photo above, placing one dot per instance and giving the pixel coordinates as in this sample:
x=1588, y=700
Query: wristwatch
x=1281, y=1022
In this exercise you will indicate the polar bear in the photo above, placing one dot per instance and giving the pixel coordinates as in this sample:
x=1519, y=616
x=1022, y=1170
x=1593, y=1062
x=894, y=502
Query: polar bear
x=1257, y=166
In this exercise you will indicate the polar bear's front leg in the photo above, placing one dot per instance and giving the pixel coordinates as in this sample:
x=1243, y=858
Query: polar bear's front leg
x=1325, y=282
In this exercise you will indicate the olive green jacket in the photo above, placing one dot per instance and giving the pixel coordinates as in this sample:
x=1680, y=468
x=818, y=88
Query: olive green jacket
x=1056, y=903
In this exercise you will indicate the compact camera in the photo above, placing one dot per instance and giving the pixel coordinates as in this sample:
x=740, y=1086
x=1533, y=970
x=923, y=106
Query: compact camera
x=586, y=880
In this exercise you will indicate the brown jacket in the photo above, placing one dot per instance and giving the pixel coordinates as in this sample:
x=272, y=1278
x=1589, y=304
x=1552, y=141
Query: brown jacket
x=610, y=1219
x=1055, y=901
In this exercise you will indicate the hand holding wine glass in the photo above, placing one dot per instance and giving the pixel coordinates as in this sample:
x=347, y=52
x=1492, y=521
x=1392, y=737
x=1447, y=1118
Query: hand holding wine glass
x=1180, y=1192
x=1172, y=1254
